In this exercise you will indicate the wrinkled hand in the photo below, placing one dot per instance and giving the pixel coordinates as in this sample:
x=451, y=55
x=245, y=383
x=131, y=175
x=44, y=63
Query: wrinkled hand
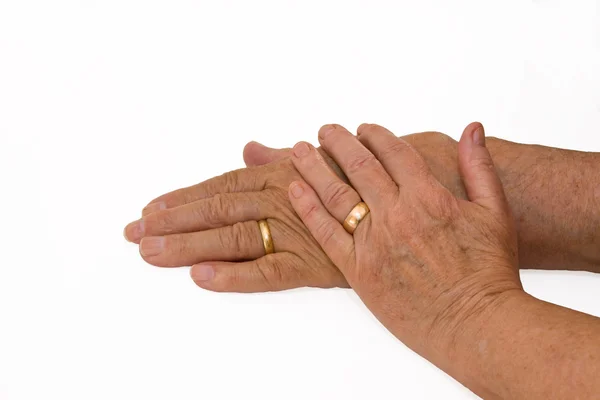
x=212, y=225
x=425, y=262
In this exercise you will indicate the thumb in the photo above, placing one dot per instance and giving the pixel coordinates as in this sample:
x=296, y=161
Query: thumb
x=477, y=169
x=256, y=154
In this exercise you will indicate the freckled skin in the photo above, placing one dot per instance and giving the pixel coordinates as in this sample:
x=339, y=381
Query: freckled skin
x=440, y=272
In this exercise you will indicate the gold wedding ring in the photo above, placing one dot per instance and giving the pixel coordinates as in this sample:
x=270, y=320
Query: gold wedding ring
x=267, y=239
x=357, y=214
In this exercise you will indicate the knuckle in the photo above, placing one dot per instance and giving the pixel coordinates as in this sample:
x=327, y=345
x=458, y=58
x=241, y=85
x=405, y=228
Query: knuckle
x=434, y=136
x=275, y=175
x=431, y=138
x=160, y=222
x=447, y=206
x=335, y=193
x=325, y=233
x=361, y=161
x=309, y=212
x=481, y=162
x=230, y=180
x=367, y=129
x=178, y=245
x=443, y=207
x=394, y=148
x=270, y=272
x=234, y=239
x=214, y=210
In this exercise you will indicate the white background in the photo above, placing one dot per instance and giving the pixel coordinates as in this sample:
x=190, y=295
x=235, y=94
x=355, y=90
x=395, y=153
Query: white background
x=107, y=104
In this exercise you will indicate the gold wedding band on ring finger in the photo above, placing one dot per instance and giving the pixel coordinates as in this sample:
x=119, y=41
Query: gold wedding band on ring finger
x=358, y=213
x=267, y=239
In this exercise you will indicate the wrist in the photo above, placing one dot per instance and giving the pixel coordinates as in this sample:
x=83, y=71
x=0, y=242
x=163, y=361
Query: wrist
x=470, y=358
x=529, y=348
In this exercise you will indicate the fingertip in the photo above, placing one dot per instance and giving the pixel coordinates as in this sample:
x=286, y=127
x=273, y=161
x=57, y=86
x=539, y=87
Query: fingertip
x=134, y=231
x=296, y=189
x=251, y=150
x=202, y=274
x=153, y=207
x=472, y=138
x=470, y=131
x=362, y=128
x=301, y=149
x=253, y=144
x=479, y=136
x=325, y=130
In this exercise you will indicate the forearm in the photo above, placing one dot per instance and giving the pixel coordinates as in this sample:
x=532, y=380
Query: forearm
x=529, y=349
x=555, y=198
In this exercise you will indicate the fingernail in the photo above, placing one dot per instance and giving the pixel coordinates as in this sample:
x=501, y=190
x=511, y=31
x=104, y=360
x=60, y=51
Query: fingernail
x=202, y=273
x=134, y=231
x=325, y=131
x=479, y=137
x=152, y=246
x=296, y=190
x=154, y=207
x=301, y=149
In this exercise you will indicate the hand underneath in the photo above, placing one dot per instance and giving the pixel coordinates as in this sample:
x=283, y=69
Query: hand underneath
x=213, y=227
x=425, y=262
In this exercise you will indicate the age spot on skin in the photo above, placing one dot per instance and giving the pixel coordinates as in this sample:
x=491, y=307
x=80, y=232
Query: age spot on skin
x=483, y=346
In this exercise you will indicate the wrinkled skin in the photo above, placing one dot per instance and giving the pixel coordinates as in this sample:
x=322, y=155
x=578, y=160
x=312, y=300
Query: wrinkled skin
x=214, y=222
x=424, y=261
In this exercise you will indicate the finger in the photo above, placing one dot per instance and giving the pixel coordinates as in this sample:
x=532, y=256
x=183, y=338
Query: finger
x=273, y=272
x=477, y=169
x=401, y=161
x=337, y=197
x=213, y=212
x=241, y=180
x=241, y=241
x=327, y=231
x=256, y=154
x=364, y=171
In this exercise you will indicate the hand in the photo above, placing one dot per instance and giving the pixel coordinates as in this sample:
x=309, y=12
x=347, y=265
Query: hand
x=213, y=227
x=425, y=262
